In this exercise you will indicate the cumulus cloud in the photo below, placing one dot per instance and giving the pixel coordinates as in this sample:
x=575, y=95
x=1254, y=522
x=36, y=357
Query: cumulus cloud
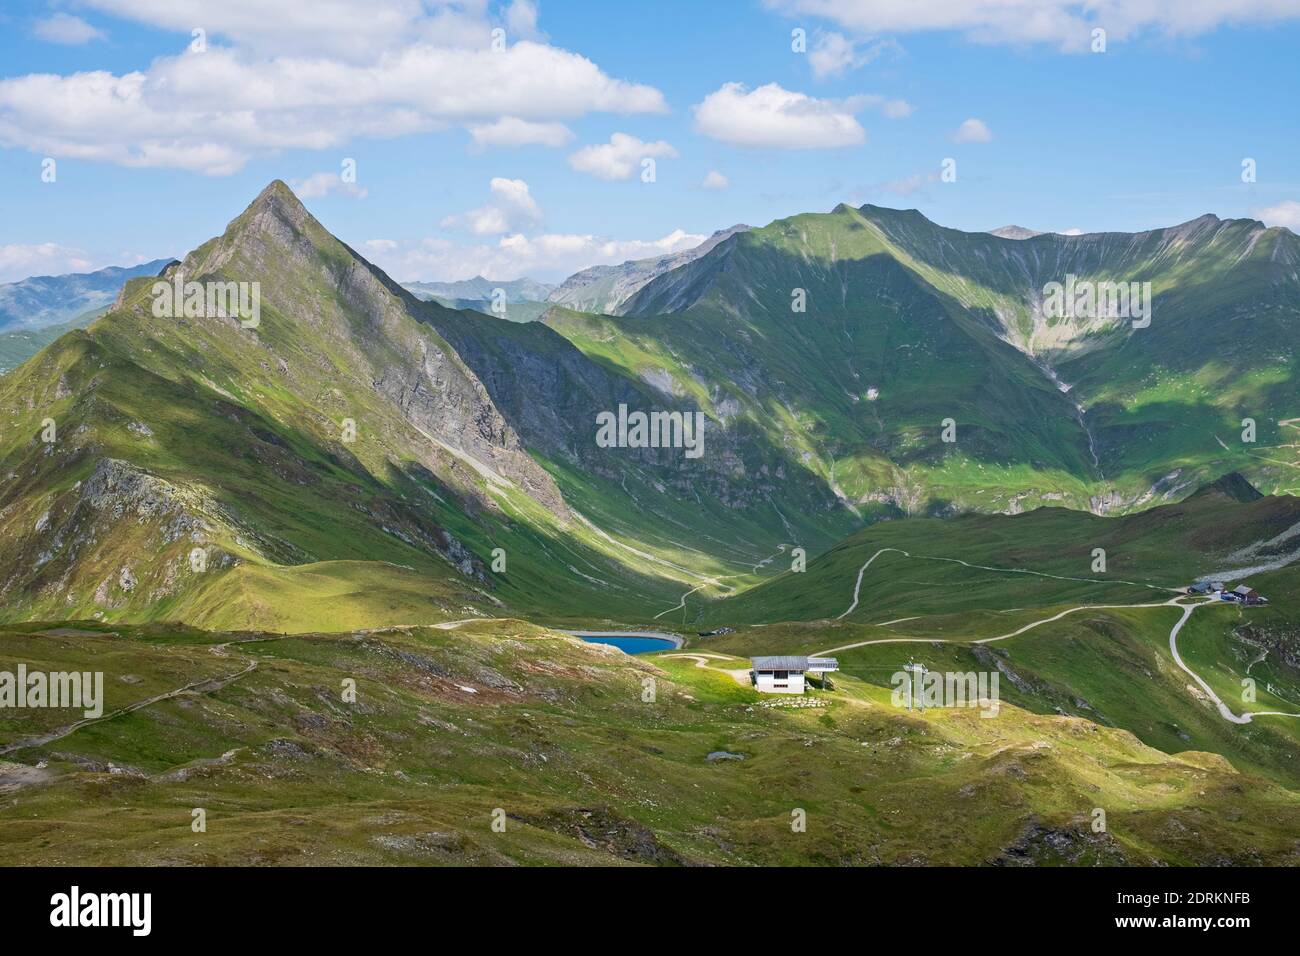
x=1066, y=24
x=521, y=19
x=715, y=180
x=512, y=131
x=1285, y=213
x=512, y=208
x=65, y=28
x=1075, y=231
x=211, y=111
x=972, y=131
x=322, y=184
x=774, y=117
x=549, y=256
x=331, y=28
x=620, y=157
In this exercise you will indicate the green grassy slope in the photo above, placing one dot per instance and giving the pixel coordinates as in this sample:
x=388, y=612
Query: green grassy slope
x=449, y=726
x=1064, y=639
x=472, y=434
x=1045, y=556
x=860, y=383
x=179, y=433
x=943, y=324
x=16, y=347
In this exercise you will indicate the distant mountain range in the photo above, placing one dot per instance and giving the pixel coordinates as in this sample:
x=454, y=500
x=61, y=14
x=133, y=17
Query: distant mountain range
x=599, y=289
x=52, y=300
x=36, y=311
x=602, y=289
x=524, y=300
x=480, y=289
x=606, y=288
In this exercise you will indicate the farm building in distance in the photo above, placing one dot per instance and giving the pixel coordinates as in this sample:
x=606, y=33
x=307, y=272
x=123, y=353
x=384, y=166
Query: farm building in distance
x=1248, y=595
x=785, y=675
x=1241, y=594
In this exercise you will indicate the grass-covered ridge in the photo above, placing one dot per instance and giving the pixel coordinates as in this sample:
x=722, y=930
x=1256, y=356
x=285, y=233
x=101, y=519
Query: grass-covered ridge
x=449, y=726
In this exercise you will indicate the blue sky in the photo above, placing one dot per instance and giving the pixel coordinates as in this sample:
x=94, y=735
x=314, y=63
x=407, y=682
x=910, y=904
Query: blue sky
x=157, y=146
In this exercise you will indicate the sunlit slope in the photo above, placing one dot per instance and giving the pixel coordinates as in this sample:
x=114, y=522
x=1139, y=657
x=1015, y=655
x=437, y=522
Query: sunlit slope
x=342, y=428
x=1044, y=557
x=861, y=381
x=905, y=324
x=449, y=726
x=1018, y=596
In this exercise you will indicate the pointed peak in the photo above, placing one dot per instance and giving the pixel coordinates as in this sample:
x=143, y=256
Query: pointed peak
x=274, y=220
x=1233, y=485
x=277, y=194
x=275, y=208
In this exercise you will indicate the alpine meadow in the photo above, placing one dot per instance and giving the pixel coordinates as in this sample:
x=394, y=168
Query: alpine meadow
x=574, y=521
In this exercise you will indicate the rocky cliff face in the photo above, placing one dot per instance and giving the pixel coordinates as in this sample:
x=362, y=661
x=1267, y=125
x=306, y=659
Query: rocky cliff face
x=117, y=536
x=378, y=332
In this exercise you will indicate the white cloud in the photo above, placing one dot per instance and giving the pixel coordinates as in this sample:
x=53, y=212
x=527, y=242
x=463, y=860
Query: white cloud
x=329, y=28
x=322, y=184
x=1285, y=213
x=1066, y=24
x=19, y=261
x=512, y=208
x=512, y=131
x=521, y=19
x=775, y=117
x=212, y=111
x=715, y=180
x=833, y=54
x=65, y=28
x=1076, y=231
x=972, y=131
x=549, y=256
x=620, y=157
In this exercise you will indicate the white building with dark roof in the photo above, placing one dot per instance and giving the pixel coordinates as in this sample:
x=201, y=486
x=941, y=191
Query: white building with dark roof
x=785, y=675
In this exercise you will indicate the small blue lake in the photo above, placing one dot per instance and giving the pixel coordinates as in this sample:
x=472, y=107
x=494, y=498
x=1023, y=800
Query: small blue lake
x=629, y=643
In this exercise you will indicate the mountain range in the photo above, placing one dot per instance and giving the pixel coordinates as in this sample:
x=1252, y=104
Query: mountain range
x=825, y=352
x=480, y=289
x=36, y=311
x=606, y=288
x=904, y=458
x=42, y=301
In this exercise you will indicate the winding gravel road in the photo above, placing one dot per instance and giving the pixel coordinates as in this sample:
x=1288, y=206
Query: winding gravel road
x=1224, y=710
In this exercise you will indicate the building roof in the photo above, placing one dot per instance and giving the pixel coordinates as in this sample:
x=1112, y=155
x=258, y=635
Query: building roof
x=779, y=663
x=823, y=664
x=1243, y=589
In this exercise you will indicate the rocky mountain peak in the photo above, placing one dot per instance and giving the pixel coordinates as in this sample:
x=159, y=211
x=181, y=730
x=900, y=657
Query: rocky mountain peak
x=275, y=209
x=1014, y=232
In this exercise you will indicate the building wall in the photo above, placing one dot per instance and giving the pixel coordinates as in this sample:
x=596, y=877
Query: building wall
x=766, y=684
